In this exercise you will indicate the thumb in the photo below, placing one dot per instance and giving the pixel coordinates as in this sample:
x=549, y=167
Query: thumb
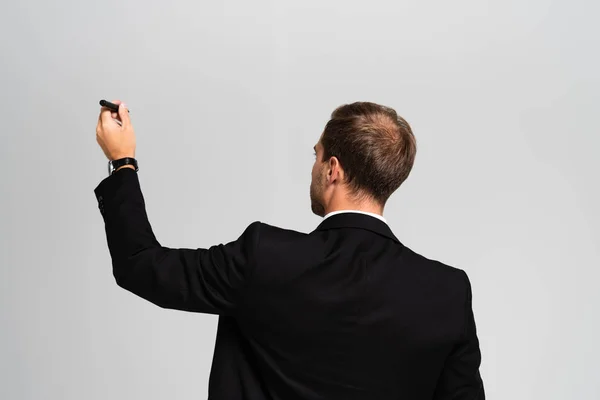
x=124, y=114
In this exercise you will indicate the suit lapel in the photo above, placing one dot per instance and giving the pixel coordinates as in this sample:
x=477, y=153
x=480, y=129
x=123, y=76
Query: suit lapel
x=356, y=220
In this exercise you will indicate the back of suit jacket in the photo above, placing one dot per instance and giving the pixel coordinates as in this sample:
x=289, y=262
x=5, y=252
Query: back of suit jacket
x=347, y=312
x=344, y=312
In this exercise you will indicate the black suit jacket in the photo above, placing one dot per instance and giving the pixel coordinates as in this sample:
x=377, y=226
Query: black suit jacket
x=344, y=312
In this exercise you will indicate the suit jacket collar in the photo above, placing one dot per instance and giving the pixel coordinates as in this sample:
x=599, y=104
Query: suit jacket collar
x=355, y=220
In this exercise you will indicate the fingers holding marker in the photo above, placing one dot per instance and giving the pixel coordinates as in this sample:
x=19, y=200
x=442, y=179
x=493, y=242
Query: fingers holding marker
x=121, y=113
x=113, y=106
x=124, y=115
x=115, y=113
x=110, y=109
x=105, y=116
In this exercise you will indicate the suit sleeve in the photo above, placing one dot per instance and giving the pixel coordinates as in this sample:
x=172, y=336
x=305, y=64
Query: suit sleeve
x=206, y=280
x=460, y=378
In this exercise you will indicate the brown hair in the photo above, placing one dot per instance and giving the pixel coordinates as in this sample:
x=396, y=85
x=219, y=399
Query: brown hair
x=375, y=147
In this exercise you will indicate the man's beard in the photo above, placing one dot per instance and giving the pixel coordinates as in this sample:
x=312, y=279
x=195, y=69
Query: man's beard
x=315, y=203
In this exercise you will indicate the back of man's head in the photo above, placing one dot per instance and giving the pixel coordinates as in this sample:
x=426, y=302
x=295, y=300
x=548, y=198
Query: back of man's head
x=375, y=147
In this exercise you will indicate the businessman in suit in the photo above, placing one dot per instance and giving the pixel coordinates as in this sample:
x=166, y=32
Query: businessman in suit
x=344, y=312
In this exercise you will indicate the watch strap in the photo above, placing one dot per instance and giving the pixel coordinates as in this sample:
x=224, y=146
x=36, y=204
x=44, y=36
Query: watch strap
x=113, y=165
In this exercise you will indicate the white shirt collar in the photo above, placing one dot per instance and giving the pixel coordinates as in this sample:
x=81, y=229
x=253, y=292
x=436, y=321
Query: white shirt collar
x=355, y=211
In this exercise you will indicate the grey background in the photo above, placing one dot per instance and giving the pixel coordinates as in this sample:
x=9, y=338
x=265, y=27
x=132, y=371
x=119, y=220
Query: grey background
x=227, y=99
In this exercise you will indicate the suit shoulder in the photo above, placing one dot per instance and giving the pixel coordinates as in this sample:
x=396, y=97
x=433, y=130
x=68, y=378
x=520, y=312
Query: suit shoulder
x=436, y=267
x=451, y=284
x=252, y=230
x=276, y=244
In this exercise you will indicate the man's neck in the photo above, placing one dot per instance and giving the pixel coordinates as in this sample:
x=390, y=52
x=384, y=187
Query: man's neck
x=366, y=210
x=345, y=206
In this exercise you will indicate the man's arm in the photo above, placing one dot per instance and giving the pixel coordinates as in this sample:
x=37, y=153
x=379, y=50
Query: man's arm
x=201, y=280
x=460, y=378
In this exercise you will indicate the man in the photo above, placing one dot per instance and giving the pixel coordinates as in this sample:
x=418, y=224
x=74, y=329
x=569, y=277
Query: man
x=344, y=312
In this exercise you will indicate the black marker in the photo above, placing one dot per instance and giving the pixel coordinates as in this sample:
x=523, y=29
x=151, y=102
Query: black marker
x=111, y=106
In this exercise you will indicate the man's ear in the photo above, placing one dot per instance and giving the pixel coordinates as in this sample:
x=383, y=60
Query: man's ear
x=335, y=170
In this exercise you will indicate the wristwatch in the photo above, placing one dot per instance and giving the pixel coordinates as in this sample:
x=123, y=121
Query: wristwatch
x=113, y=165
